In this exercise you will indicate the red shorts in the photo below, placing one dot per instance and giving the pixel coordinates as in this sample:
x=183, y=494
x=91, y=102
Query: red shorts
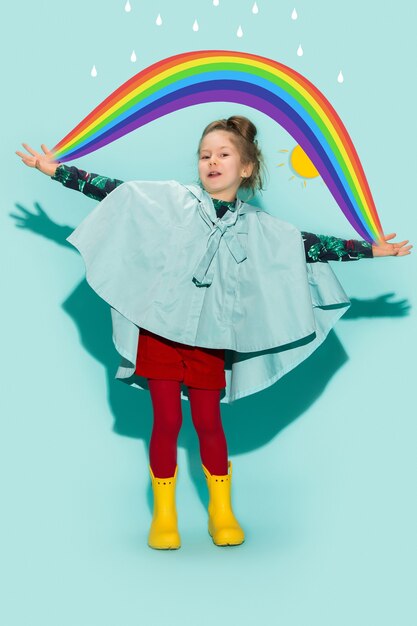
x=158, y=357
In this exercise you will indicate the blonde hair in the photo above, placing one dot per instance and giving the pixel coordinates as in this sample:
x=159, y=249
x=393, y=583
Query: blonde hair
x=243, y=133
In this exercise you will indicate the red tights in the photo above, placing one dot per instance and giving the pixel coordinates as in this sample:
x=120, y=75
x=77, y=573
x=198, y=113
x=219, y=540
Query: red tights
x=205, y=412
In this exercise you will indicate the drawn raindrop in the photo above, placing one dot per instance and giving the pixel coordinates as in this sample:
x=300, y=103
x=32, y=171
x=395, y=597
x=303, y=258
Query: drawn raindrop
x=133, y=56
x=216, y=3
x=195, y=26
x=93, y=72
x=128, y=8
x=158, y=20
x=300, y=51
x=340, y=77
x=294, y=15
x=239, y=32
x=255, y=9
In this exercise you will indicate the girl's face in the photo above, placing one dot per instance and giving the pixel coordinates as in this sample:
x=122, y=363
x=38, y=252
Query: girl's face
x=219, y=165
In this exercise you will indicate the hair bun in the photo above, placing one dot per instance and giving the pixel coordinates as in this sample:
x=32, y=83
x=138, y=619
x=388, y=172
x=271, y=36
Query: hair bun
x=243, y=126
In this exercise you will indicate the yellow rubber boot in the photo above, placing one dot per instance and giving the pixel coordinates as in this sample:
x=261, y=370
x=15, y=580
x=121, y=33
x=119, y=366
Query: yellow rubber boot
x=222, y=524
x=163, y=534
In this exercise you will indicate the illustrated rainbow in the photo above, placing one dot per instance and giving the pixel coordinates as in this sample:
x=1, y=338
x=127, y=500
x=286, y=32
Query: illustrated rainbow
x=278, y=91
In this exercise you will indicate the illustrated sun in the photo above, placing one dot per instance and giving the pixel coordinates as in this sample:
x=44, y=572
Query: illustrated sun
x=301, y=165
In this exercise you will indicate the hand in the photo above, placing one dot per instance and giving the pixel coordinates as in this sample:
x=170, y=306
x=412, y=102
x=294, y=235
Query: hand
x=383, y=248
x=45, y=163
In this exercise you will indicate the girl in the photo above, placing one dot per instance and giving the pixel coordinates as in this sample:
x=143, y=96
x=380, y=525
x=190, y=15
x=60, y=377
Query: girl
x=207, y=291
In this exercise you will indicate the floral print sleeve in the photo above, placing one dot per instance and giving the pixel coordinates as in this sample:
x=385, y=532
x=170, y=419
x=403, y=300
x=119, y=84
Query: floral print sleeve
x=325, y=248
x=92, y=185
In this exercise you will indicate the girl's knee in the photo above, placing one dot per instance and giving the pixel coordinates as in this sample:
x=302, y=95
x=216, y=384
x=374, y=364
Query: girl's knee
x=168, y=422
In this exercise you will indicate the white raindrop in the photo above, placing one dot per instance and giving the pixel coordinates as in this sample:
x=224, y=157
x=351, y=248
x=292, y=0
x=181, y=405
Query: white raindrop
x=255, y=9
x=294, y=14
x=239, y=32
x=340, y=77
x=93, y=72
x=195, y=26
x=300, y=51
x=128, y=7
x=216, y=3
x=158, y=20
x=133, y=57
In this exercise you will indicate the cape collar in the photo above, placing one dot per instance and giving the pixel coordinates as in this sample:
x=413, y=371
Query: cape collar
x=205, y=198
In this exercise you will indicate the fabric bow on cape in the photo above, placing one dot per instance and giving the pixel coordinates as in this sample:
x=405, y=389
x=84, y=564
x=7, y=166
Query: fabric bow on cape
x=222, y=228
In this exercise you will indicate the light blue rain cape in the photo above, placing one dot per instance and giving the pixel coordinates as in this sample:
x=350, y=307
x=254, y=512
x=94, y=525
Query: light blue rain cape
x=159, y=256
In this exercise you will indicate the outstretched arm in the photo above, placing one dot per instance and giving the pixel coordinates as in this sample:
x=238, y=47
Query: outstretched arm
x=326, y=248
x=92, y=185
x=323, y=248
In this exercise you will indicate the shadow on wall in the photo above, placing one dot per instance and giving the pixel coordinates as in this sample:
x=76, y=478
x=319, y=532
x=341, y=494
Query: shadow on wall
x=273, y=408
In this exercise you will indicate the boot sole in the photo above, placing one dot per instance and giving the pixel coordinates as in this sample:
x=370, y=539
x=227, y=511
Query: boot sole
x=222, y=545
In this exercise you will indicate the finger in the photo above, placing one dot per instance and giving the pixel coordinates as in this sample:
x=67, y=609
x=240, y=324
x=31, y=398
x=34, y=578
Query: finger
x=384, y=238
x=385, y=296
x=27, y=160
x=22, y=208
x=39, y=209
x=30, y=150
x=22, y=220
x=23, y=155
x=45, y=149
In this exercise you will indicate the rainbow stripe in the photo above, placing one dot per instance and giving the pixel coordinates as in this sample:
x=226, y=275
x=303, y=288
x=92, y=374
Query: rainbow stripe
x=278, y=91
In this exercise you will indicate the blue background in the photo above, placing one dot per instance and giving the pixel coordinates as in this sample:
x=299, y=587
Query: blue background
x=324, y=461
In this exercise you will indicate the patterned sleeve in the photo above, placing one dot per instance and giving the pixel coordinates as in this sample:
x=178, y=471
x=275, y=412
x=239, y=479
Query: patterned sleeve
x=326, y=248
x=92, y=185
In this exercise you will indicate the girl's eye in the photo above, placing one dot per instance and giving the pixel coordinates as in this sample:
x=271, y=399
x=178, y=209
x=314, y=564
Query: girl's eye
x=204, y=156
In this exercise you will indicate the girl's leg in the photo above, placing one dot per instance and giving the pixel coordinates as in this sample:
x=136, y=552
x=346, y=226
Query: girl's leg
x=205, y=411
x=166, y=402
x=222, y=523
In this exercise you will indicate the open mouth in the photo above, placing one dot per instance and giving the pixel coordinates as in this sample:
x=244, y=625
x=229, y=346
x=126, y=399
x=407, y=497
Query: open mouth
x=213, y=174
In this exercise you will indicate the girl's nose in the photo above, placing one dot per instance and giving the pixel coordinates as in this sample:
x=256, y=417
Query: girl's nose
x=212, y=160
